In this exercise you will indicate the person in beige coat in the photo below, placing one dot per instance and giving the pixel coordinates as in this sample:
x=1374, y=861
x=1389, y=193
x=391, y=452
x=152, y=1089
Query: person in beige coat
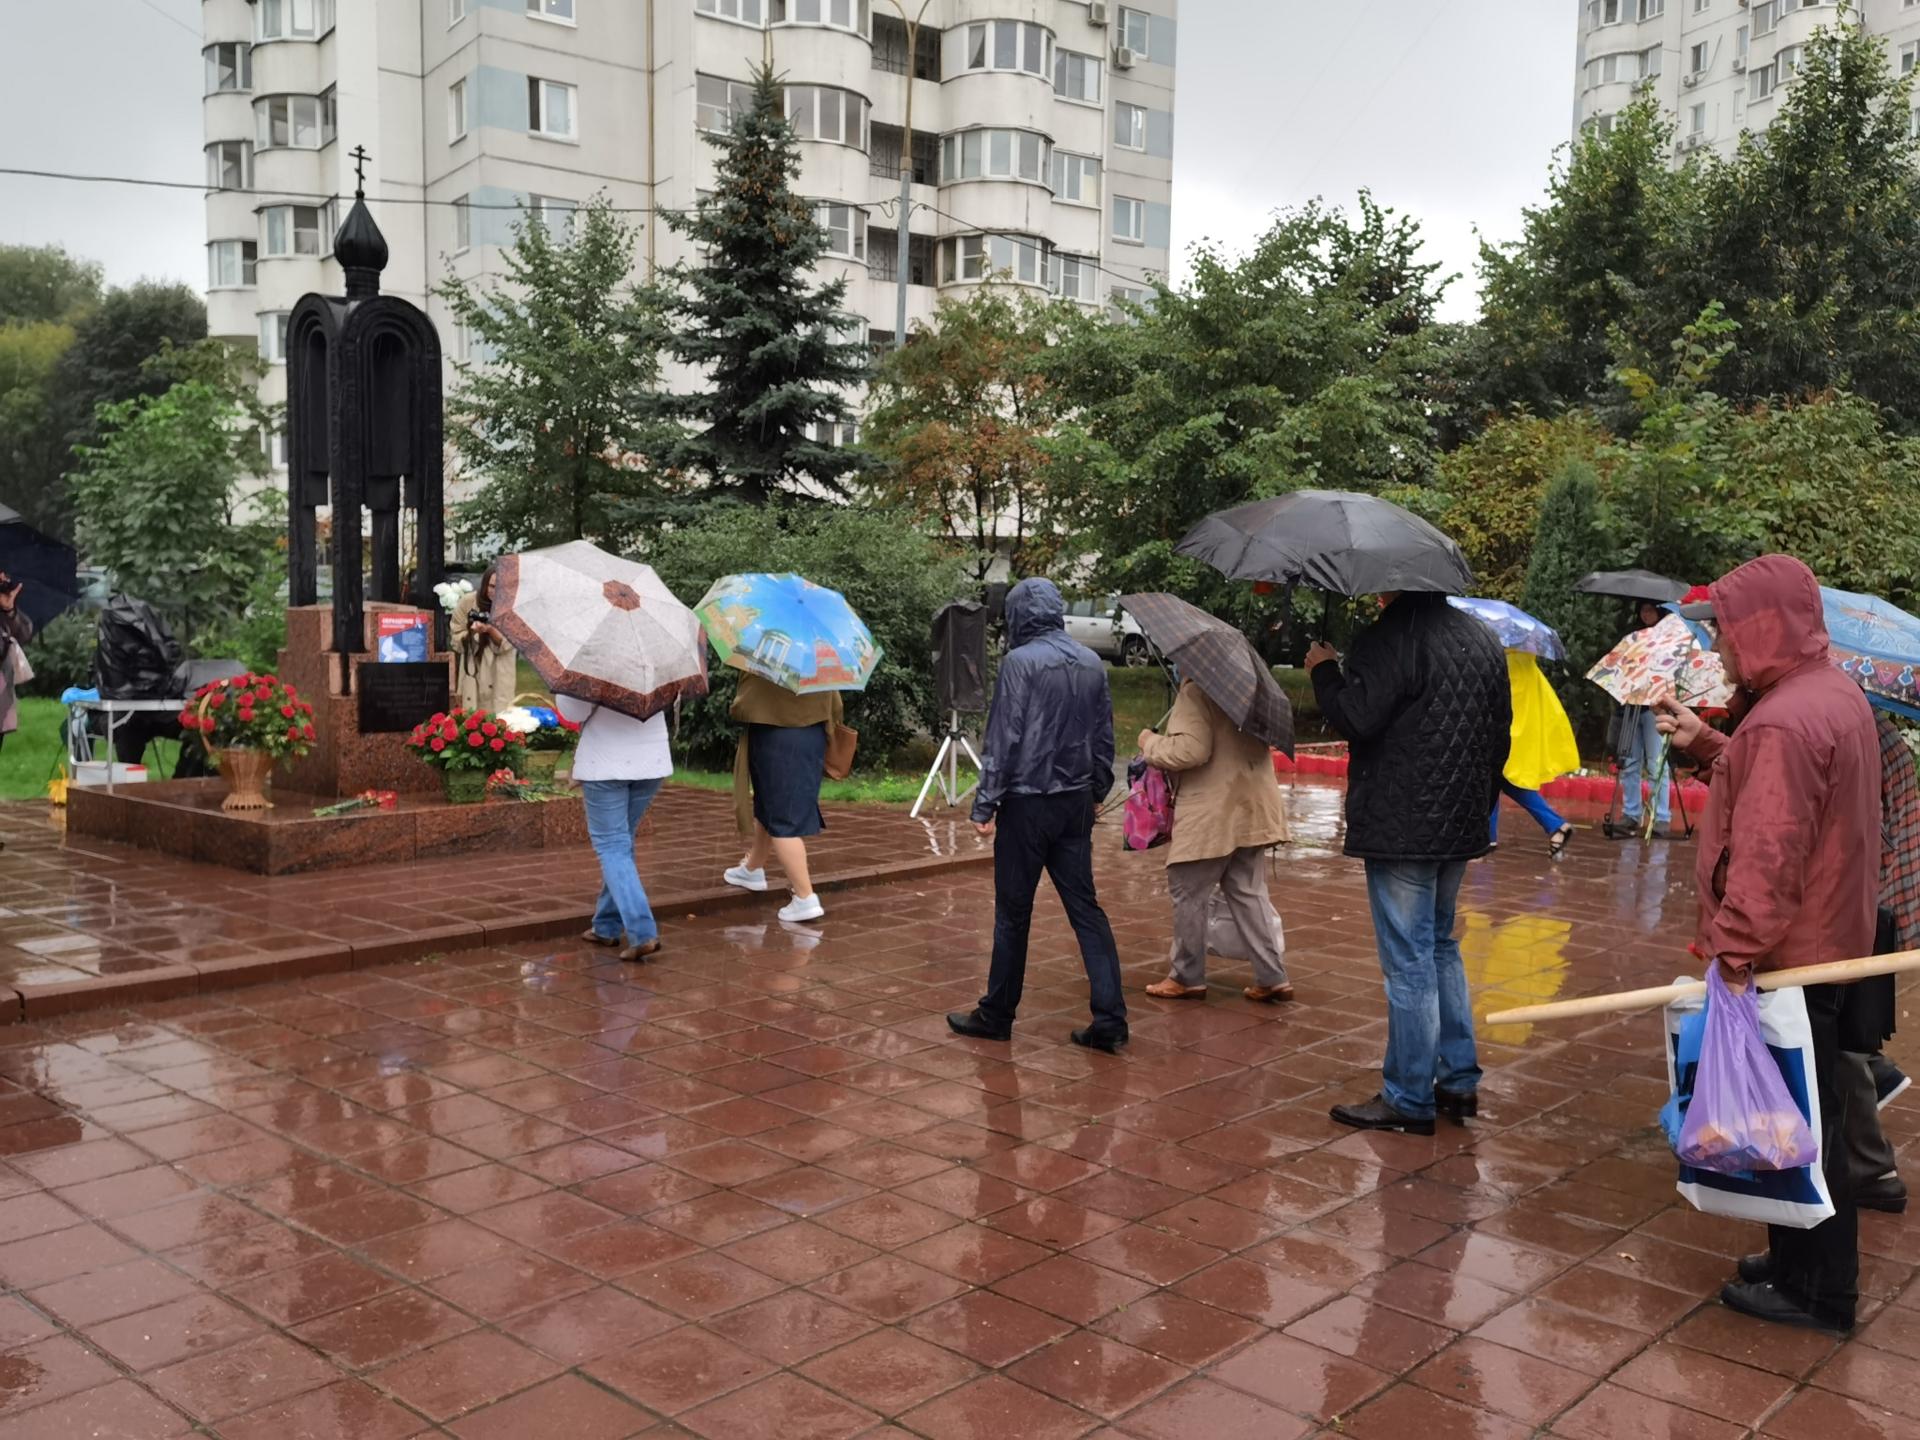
x=483, y=661
x=1227, y=811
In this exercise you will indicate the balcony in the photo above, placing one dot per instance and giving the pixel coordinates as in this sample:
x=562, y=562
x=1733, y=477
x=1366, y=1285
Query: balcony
x=883, y=257
x=890, y=48
x=883, y=154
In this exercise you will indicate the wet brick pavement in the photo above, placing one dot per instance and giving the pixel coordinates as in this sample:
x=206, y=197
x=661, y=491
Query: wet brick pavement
x=757, y=1190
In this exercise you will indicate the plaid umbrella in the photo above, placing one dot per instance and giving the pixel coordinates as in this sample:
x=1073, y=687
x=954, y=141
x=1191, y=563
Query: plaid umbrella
x=1221, y=661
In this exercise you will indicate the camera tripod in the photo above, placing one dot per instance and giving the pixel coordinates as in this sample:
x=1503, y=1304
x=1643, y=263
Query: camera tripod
x=945, y=770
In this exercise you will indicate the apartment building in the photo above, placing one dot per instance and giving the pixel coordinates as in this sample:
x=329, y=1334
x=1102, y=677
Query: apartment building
x=1041, y=147
x=1717, y=66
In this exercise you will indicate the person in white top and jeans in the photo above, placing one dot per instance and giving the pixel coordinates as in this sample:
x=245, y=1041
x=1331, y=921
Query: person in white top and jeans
x=620, y=763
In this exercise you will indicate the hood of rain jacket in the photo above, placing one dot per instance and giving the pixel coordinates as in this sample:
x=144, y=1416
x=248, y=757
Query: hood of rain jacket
x=1789, y=861
x=1050, y=729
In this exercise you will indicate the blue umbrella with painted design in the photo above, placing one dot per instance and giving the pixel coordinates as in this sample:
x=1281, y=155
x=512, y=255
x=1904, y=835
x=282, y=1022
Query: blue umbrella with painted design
x=1877, y=644
x=789, y=630
x=1516, y=628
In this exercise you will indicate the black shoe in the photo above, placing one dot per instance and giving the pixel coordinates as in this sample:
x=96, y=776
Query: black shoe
x=1768, y=1302
x=1756, y=1269
x=1887, y=1195
x=976, y=1026
x=1456, y=1104
x=1888, y=1079
x=1107, y=1040
x=1377, y=1114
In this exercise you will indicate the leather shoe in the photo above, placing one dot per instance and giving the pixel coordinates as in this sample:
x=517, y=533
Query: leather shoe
x=1887, y=1195
x=645, y=950
x=1269, y=994
x=1094, y=1039
x=594, y=937
x=1172, y=989
x=976, y=1026
x=1456, y=1104
x=1377, y=1114
x=1756, y=1269
x=1764, y=1301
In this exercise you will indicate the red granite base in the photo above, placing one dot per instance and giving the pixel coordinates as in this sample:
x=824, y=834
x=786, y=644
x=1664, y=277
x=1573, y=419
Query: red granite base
x=184, y=818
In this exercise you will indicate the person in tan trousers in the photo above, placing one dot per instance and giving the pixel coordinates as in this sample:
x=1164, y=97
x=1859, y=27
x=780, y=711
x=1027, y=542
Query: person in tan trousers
x=1227, y=812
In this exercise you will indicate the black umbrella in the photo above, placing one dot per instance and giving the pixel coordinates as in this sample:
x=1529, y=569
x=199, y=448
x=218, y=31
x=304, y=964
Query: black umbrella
x=1631, y=585
x=1221, y=661
x=1335, y=540
x=44, y=566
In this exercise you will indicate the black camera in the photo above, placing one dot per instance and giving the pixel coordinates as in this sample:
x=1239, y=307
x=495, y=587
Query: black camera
x=7, y=587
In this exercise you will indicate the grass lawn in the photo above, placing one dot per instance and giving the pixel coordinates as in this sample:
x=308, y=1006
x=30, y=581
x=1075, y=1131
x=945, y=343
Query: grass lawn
x=30, y=754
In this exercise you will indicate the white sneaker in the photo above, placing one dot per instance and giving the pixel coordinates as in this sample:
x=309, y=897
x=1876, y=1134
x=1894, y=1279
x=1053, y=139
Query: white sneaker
x=746, y=879
x=803, y=908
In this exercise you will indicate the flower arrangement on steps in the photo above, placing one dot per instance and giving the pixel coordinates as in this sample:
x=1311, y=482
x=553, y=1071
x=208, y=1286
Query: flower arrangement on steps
x=248, y=723
x=547, y=734
x=466, y=746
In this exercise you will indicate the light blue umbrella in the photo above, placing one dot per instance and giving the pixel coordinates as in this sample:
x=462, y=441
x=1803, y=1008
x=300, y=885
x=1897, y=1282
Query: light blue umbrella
x=789, y=630
x=1516, y=628
x=1877, y=644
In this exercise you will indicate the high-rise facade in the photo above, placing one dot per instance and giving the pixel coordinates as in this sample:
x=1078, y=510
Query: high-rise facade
x=1042, y=138
x=1717, y=66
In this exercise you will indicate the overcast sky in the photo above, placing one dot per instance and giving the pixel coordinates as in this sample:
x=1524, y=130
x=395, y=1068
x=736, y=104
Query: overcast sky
x=1446, y=109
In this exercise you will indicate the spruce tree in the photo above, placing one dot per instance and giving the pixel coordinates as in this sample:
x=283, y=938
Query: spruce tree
x=1570, y=540
x=766, y=338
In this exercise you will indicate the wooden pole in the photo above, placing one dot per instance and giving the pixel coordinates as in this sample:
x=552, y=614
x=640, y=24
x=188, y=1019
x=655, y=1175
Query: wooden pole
x=1835, y=972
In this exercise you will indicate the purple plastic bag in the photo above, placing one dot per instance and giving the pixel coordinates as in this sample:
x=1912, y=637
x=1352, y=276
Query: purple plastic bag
x=1742, y=1117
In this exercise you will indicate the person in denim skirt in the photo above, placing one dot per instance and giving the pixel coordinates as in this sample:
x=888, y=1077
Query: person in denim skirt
x=1423, y=702
x=619, y=764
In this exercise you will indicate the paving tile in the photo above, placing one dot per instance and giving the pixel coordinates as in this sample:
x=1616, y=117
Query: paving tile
x=699, y=1285
x=177, y=1330
x=781, y=1407
x=1822, y=1415
x=1300, y=1377
x=676, y=1371
x=312, y=1288
x=348, y=1408
x=1202, y=1407
x=519, y=1280
x=888, y=1288
x=1611, y=1411
x=586, y=1326
x=48, y=1370
x=1508, y=1382
x=1409, y=1410
x=1577, y=1341
x=120, y=1410
x=790, y=1327
x=1371, y=1333
x=379, y=1331
x=242, y=1378
x=1097, y=1373
x=889, y=1372
x=463, y=1374
x=117, y=1290
x=1073, y=1289
x=564, y=1406
x=988, y=1329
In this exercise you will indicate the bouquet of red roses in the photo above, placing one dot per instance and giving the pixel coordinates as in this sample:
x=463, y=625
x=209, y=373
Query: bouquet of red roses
x=250, y=712
x=466, y=740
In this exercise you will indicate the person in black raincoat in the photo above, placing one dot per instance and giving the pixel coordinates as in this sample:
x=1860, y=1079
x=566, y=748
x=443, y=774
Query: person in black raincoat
x=1047, y=764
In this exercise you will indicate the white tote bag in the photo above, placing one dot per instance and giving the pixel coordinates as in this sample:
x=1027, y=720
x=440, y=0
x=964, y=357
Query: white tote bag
x=1223, y=935
x=1799, y=1198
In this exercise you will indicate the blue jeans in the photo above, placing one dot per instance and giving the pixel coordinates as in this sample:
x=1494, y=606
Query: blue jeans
x=1429, y=1013
x=614, y=810
x=1640, y=751
x=1531, y=801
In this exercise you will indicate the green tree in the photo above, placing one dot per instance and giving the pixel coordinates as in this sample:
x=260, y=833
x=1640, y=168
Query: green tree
x=1313, y=360
x=1570, y=541
x=961, y=419
x=32, y=455
x=894, y=575
x=770, y=343
x=164, y=501
x=557, y=421
x=44, y=284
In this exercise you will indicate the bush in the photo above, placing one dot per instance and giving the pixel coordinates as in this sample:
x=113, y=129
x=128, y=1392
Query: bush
x=62, y=654
x=1569, y=543
x=894, y=576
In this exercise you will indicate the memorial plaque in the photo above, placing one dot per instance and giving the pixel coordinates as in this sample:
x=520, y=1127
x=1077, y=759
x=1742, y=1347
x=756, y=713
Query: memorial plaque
x=400, y=694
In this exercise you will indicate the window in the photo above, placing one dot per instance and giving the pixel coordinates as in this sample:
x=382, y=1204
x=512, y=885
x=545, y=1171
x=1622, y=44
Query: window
x=560, y=10
x=229, y=67
x=1700, y=7
x=1764, y=18
x=826, y=432
x=1010, y=45
x=273, y=337
x=552, y=214
x=1649, y=63
x=995, y=155
x=550, y=107
x=1697, y=120
x=1076, y=178
x=1076, y=76
x=718, y=103
x=456, y=110
x=1604, y=12
x=963, y=257
x=747, y=12
x=1651, y=9
x=329, y=115
x=1129, y=220
x=817, y=112
x=462, y=224
x=1129, y=126
x=1699, y=57
x=846, y=227
x=1600, y=124
x=297, y=122
x=1909, y=52
x=1740, y=42
x=292, y=19
x=290, y=230
x=273, y=445
x=456, y=11
x=1133, y=31
x=1130, y=295
x=841, y=14
x=1760, y=83
x=1072, y=276
x=1786, y=63
x=329, y=225
x=230, y=263
x=229, y=165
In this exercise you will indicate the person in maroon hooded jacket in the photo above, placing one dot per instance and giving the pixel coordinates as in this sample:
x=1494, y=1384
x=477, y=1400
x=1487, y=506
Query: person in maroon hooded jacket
x=1788, y=874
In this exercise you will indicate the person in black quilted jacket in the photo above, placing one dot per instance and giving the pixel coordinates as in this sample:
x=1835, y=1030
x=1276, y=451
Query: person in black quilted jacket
x=1424, y=706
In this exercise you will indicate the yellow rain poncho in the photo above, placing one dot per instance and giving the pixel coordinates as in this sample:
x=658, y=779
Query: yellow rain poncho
x=1543, y=747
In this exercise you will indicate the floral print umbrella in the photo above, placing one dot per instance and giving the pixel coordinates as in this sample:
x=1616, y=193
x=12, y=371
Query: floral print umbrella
x=1664, y=659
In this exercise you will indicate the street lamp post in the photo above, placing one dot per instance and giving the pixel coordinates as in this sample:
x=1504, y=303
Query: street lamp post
x=906, y=175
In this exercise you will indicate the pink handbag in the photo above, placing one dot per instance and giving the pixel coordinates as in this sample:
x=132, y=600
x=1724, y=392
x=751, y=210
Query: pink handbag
x=1147, y=818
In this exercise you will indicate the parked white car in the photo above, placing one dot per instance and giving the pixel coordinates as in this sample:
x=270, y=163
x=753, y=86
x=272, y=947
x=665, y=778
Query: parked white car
x=1107, y=630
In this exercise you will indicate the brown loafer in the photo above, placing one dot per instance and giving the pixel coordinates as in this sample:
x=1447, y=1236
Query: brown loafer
x=594, y=937
x=1269, y=994
x=1172, y=989
x=633, y=954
